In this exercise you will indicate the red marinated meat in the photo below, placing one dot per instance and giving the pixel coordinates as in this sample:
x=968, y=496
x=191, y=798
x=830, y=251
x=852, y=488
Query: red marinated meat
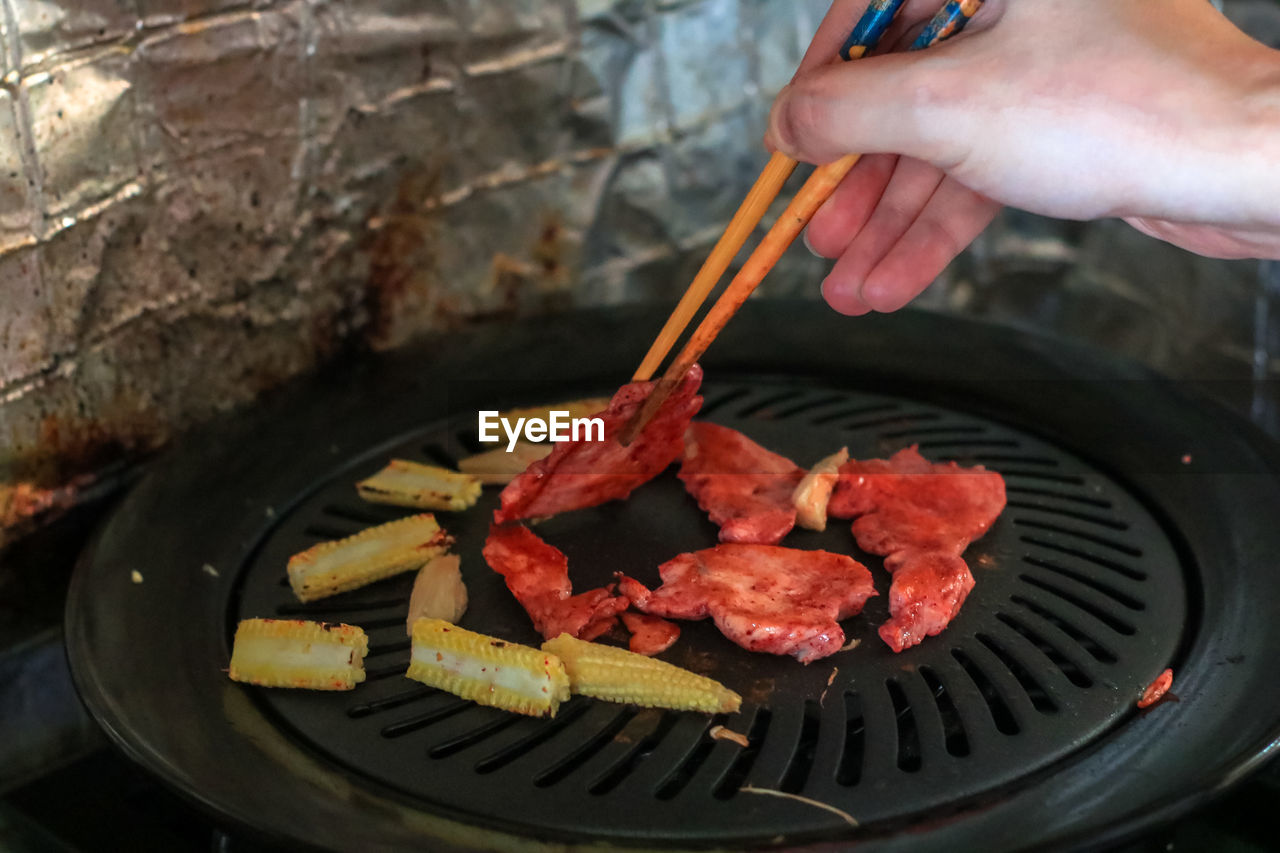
x=763, y=597
x=908, y=502
x=927, y=591
x=745, y=488
x=578, y=474
x=538, y=576
x=921, y=516
x=650, y=635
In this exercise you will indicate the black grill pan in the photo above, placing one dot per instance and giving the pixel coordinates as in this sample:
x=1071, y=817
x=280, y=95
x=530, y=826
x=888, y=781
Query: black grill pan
x=1137, y=537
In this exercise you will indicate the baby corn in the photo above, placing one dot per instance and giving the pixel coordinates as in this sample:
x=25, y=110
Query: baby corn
x=296, y=653
x=371, y=555
x=487, y=670
x=584, y=408
x=617, y=675
x=498, y=467
x=405, y=483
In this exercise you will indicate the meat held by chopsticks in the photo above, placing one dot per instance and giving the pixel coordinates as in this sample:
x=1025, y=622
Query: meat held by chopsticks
x=763, y=597
x=538, y=576
x=580, y=474
x=745, y=488
x=921, y=516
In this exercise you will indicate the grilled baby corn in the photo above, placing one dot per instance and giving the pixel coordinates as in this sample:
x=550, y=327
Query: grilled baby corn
x=617, y=675
x=296, y=653
x=405, y=483
x=487, y=670
x=499, y=466
x=371, y=555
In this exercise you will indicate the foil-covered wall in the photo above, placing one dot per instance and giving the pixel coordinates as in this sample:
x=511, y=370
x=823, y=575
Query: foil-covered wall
x=201, y=198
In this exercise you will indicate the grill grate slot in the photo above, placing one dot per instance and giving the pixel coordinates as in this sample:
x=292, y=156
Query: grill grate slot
x=1090, y=644
x=1104, y=562
x=371, y=625
x=377, y=673
x=1121, y=547
x=683, y=773
x=562, y=769
x=738, y=771
x=334, y=607
x=468, y=739
x=1043, y=476
x=387, y=648
x=1089, y=518
x=1100, y=613
x=1001, y=715
x=802, y=758
x=712, y=402
x=880, y=744
x=1040, y=698
x=809, y=405
x=996, y=460
x=1109, y=591
x=853, y=412
x=544, y=731
x=1069, y=668
x=362, y=515
x=946, y=429
x=763, y=409
x=643, y=749
x=955, y=738
x=933, y=444
x=849, y=772
x=909, y=758
x=437, y=455
x=1088, y=500
x=327, y=532
x=890, y=420
x=425, y=719
x=387, y=703
x=469, y=440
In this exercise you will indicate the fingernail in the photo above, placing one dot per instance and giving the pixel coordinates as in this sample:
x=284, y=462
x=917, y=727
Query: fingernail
x=804, y=238
x=774, y=133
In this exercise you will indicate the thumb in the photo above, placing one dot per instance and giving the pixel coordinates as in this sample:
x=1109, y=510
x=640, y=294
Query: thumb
x=888, y=104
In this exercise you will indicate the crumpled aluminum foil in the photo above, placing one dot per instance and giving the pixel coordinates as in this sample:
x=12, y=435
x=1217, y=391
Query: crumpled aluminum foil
x=201, y=198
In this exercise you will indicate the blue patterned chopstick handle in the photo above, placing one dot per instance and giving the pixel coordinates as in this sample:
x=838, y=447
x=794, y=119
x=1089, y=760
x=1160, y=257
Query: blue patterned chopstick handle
x=949, y=20
x=870, y=27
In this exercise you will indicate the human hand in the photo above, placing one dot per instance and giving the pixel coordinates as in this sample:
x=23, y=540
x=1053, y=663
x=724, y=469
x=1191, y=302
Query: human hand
x=1161, y=113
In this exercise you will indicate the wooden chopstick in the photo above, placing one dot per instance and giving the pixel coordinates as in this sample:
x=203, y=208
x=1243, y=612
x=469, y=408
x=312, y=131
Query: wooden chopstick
x=947, y=22
x=866, y=33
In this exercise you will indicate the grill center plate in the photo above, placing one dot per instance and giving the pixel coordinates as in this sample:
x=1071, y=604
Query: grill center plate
x=1080, y=600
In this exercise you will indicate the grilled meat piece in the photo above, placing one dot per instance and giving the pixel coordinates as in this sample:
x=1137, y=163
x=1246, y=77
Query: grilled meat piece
x=580, y=474
x=921, y=516
x=745, y=488
x=763, y=597
x=650, y=635
x=538, y=576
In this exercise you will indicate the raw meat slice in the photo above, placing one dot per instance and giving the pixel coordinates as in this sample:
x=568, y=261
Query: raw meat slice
x=745, y=488
x=763, y=597
x=580, y=474
x=921, y=516
x=650, y=635
x=538, y=576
